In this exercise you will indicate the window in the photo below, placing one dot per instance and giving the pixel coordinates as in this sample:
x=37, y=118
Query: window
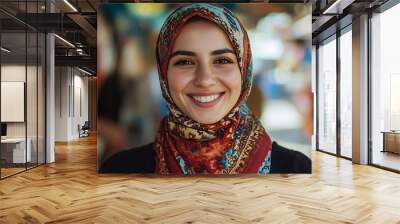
x=346, y=94
x=385, y=89
x=327, y=96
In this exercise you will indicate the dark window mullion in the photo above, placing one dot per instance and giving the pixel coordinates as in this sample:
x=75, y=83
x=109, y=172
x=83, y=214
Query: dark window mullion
x=45, y=87
x=369, y=79
x=37, y=89
x=26, y=86
x=316, y=97
x=338, y=98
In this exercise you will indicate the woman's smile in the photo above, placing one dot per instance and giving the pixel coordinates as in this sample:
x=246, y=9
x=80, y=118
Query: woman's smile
x=206, y=100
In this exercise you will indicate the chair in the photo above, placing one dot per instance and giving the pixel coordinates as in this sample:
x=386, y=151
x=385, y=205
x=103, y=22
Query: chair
x=84, y=130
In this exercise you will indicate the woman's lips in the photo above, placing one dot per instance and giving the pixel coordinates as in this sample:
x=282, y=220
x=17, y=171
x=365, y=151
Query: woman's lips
x=206, y=100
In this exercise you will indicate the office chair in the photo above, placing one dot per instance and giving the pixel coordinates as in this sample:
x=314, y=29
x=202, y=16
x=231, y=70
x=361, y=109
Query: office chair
x=84, y=130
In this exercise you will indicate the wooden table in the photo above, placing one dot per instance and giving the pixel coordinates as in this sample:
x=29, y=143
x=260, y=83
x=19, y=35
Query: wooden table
x=391, y=141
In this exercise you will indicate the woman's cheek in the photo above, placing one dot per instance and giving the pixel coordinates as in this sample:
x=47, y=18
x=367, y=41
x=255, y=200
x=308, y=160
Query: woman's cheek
x=231, y=78
x=178, y=80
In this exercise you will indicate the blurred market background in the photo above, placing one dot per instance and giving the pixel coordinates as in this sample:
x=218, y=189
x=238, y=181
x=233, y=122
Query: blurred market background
x=130, y=101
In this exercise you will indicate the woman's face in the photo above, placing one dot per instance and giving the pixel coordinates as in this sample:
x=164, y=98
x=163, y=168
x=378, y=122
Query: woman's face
x=203, y=73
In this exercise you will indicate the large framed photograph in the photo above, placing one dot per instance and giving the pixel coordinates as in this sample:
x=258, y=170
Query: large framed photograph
x=204, y=88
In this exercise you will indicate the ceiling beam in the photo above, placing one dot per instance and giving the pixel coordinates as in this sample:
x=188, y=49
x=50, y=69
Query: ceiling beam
x=337, y=7
x=84, y=24
x=44, y=22
x=83, y=61
x=320, y=23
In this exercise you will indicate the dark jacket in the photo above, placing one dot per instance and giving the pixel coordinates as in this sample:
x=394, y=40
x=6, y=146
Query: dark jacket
x=142, y=160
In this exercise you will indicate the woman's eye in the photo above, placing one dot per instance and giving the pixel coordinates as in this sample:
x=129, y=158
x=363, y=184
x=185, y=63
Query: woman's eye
x=223, y=61
x=184, y=62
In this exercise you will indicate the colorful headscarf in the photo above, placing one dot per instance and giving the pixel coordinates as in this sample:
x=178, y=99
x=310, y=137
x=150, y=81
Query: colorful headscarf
x=237, y=143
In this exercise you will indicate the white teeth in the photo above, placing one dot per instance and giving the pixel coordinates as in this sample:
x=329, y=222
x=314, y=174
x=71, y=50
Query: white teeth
x=206, y=99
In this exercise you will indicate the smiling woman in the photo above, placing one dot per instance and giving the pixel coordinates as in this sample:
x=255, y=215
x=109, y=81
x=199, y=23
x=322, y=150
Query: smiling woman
x=205, y=70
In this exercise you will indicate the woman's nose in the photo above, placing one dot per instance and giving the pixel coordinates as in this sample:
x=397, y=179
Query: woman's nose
x=204, y=76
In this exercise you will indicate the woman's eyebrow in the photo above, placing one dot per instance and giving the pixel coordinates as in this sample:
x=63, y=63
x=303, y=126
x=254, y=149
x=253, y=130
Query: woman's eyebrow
x=187, y=53
x=222, y=51
x=191, y=53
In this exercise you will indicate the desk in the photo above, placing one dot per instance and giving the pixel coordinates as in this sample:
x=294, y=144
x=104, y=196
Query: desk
x=15, y=148
x=391, y=141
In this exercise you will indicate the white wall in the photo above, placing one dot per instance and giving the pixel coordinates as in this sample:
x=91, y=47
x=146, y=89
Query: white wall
x=80, y=102
x=12, y=73
x=71, y=87
x=61, y=103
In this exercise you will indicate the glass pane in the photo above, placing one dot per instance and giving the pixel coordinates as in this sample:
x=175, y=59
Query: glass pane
x=13, y=87
x=22, y=64
x=41, y=98
x=346, y=94
x=386, y=89
x=31, y=98
x=313, y=87
x=327, y=97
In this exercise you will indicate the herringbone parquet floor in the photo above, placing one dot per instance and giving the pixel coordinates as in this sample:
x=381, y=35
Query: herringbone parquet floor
x=71, y=191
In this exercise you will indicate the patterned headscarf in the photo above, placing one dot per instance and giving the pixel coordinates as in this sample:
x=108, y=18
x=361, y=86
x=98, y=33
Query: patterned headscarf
x=237, y=143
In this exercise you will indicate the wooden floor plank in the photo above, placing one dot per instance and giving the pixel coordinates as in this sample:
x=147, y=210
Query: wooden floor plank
x=71, y=191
